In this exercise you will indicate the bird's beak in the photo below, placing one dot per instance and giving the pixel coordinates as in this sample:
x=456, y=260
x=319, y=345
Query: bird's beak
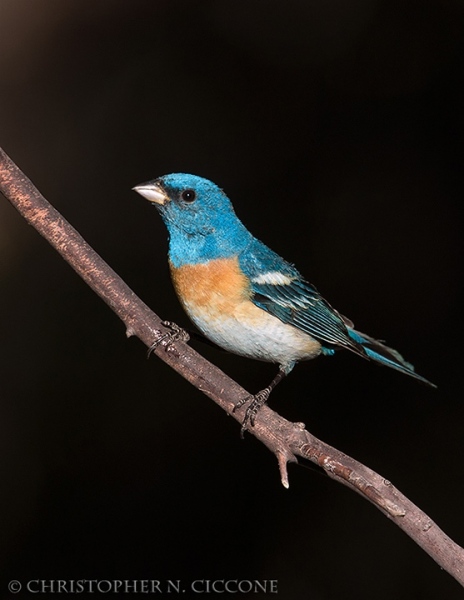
x=152, y=191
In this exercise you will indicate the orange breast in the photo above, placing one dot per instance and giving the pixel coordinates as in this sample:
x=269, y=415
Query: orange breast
x=218, y=286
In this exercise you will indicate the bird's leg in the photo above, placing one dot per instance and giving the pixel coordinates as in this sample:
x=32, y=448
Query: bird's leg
x=174, y=335
x=258, y=400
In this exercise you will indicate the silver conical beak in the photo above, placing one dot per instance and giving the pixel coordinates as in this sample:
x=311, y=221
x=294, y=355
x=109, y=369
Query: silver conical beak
x=152, y=191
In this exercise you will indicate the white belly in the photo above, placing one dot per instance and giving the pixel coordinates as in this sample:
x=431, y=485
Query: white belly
x=253, y=333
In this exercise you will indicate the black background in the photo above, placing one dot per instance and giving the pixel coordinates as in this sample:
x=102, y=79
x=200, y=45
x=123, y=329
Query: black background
x=335, y=127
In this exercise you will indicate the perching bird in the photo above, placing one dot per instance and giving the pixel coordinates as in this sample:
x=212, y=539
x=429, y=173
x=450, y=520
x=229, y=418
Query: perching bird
x=243, y=296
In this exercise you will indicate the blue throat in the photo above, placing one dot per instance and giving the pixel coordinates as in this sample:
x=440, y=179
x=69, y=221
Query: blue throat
x=223, y=240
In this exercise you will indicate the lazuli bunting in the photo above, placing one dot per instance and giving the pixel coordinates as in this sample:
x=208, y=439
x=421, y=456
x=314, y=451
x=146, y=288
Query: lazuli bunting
x=243, y=296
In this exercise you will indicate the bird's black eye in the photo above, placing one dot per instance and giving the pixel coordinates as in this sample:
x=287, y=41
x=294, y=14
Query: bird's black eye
x=188, y=195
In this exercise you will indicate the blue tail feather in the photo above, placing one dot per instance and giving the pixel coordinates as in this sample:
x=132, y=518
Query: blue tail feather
x=383, y=355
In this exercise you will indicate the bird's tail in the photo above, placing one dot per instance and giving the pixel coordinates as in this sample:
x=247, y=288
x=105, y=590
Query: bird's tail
x=383, y=355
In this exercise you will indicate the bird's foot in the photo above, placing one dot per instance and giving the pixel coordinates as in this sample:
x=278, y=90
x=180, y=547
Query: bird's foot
x=175, y=334
x=257, y=401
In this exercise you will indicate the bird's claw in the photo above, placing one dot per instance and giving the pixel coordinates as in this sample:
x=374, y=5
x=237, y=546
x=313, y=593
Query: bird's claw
x=175, y=334
x=256, y=402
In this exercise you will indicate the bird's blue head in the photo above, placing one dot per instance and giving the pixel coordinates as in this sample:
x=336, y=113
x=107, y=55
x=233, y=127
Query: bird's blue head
x=200, y=218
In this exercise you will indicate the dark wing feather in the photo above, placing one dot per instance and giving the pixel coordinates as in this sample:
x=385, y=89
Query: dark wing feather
x=278, y=288
x=293, y=300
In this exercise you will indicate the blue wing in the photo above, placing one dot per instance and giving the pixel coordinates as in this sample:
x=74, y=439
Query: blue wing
x=279, y=289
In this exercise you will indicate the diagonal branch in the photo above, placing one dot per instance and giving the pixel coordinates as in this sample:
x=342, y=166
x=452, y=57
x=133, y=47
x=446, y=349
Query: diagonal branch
x=286, y=440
